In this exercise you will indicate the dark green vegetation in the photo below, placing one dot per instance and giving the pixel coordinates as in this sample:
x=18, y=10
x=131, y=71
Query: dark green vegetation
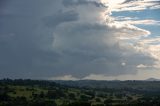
x=79, y=93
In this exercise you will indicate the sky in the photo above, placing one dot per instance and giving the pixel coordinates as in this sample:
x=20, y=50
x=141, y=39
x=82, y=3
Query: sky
x=80, y=39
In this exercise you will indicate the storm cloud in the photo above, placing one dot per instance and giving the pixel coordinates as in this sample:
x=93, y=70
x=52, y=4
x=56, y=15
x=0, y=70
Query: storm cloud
x=47, y=38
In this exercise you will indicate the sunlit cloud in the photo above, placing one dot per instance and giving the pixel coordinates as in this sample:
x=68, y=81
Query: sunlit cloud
x=65, y=77
x=139, y=22
x=129, y=32
x=133, y=5
x=152, y=46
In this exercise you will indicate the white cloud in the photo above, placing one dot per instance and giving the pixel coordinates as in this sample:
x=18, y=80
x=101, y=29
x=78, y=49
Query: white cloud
x=155, y=7
x=153, y=40
x=123, y=18
x=126, y=25
x=143, y=22
x=141, y=66
x=150, y=46
x=135, y=5
x=123, y=63
x=65, y=77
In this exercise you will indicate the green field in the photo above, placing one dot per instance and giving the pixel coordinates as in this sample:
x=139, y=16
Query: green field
x=79, y=93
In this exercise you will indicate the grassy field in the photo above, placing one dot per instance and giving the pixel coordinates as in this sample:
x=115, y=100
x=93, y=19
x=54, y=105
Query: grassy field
x=48, y=93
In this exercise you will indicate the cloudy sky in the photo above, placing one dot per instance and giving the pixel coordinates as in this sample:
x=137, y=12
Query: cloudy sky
x=80, y=39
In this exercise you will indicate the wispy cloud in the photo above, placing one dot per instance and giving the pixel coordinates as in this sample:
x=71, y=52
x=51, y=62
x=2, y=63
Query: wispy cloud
x=136, y=21
x=132, y=5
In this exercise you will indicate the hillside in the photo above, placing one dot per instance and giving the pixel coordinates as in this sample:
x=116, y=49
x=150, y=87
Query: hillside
x=79, y=93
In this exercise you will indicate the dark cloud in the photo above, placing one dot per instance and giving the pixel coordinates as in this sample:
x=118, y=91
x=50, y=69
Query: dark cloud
x=60, y=17
x=3, y=3
x=81, y=2
x=25, y=42
x=48, y=38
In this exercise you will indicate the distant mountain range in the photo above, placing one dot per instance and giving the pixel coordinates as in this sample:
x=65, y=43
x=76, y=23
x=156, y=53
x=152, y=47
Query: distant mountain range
x=152, y=79
x=135, y=84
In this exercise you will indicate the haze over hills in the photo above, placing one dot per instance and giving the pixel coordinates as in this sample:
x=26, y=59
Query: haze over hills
x=152, y=79
x=136, y=84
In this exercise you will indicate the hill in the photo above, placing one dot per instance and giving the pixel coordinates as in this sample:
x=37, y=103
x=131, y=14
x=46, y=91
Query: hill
x=152, y=79
x=79, y=93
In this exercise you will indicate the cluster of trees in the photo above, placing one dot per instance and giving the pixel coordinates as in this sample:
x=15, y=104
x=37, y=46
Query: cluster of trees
x=47, y=93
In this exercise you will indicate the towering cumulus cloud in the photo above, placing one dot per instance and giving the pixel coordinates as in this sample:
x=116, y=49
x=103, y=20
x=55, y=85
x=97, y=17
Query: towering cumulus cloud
x=77, y=39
